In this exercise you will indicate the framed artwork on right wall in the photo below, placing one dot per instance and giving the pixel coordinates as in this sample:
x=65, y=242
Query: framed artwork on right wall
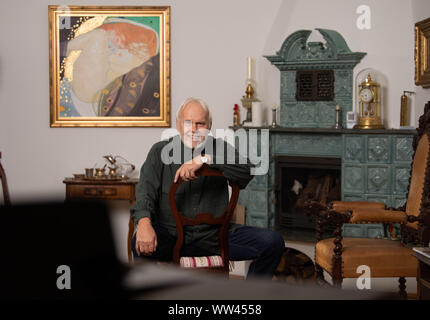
x=422, y=53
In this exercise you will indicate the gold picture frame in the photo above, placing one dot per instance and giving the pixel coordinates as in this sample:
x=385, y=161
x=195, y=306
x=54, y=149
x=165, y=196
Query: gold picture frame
x=422, y=53
x=109, y=66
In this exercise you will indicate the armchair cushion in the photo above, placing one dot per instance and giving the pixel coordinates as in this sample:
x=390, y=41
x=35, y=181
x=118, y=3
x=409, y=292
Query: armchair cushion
x=378, y=216
x=344, y=206
x=201, y=262
x=385, y=258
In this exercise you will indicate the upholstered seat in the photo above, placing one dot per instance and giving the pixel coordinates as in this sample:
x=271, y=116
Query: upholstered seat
x=385, y=258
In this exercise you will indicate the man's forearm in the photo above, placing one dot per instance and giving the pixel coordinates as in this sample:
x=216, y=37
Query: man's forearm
x=144, y=221
x=138, y=214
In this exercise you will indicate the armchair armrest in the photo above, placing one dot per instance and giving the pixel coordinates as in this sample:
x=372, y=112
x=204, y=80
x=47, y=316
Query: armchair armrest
x=378, y=216
x=345, y=206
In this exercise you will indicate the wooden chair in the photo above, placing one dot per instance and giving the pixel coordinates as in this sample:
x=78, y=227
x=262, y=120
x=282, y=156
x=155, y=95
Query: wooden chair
x=6, y=198
x=212, y=263
x=340, y=256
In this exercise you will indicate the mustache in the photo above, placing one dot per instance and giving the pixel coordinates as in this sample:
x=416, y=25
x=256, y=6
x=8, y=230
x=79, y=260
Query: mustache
x=196, y=136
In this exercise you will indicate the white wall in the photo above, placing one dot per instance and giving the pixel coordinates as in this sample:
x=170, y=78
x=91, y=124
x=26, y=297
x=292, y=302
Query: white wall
x=210, y=41
x=209, y=44
x=389, y=44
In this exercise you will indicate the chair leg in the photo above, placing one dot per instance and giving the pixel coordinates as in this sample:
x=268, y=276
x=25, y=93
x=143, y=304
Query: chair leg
x=402, y=288
x=319, y=277
x=337, y=257
x=337, y=280
x=319, y=273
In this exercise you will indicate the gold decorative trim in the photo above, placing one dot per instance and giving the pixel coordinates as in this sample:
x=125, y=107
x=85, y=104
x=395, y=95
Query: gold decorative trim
x=422, y=53
x=55, y=67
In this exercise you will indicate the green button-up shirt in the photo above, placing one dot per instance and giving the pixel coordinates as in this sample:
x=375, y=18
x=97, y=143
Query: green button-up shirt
x=204, y=194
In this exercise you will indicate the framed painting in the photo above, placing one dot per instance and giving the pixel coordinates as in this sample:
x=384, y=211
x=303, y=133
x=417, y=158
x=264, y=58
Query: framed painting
x=422, y=53
x=109, y=66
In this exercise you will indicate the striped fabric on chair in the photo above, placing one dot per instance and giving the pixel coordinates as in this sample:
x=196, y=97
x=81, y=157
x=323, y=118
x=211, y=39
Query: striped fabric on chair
x=201, y=262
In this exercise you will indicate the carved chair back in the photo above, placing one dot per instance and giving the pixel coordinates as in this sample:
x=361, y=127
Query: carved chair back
x=6, y=198
x=222, y=221
x=418, y=198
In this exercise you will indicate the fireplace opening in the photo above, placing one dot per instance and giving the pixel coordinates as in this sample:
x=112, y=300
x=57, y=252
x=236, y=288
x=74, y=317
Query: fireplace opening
x=299, y=179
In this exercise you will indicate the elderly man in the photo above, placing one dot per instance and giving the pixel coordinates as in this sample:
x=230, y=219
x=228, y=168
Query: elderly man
x=156, y=231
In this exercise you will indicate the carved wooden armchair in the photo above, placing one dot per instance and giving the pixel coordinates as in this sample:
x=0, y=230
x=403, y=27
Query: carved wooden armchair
x=340, y=256
x=209, y=263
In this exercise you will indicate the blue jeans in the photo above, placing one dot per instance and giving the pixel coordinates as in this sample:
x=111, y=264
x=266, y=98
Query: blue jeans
x=263, y=246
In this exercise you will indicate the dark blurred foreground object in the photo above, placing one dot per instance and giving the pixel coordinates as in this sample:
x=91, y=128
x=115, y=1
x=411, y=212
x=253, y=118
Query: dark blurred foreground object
x=171, y=283
x=36, y=239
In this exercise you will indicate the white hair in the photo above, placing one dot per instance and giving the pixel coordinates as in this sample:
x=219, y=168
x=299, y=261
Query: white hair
x=202, y=104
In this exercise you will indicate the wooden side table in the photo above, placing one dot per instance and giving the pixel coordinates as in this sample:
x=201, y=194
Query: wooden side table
x=423, y=276
x=104, y=189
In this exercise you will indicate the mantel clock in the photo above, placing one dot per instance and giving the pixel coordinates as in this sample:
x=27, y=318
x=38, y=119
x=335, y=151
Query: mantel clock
x=369, y=105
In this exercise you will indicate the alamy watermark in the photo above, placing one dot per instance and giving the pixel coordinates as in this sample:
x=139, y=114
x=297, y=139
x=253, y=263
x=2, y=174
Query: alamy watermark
x=364, y=18
x=64, y=21
x=64, y=281
x=363, y=281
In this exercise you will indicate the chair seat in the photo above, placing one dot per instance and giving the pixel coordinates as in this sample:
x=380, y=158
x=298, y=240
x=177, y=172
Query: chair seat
x=385, y=258
x=201, y=262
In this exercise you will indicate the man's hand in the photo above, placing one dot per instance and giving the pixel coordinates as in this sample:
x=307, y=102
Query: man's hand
x=188, y=170
x=146, y=238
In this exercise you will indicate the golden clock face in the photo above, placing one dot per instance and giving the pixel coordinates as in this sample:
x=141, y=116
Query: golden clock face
x=366, y=95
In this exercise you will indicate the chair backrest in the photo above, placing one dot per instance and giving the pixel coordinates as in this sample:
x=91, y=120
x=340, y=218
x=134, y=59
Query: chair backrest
x=418, y=175
x=204, y=217
x=5, y=189
x=418, y=199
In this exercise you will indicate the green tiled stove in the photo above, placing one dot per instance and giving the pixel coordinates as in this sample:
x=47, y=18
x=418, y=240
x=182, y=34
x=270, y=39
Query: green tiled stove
x=375, y=164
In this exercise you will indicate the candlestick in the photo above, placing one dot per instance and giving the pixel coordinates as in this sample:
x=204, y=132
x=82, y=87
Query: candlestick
x=338, y=123
x=274, y=125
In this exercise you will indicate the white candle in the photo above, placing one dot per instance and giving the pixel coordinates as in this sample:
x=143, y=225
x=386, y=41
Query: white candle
x=249, y=68
x=257, y=114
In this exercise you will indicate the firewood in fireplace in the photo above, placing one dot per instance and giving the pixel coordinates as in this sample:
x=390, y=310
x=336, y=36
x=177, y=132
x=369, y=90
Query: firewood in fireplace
x=320, y=188
x=309, y=192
